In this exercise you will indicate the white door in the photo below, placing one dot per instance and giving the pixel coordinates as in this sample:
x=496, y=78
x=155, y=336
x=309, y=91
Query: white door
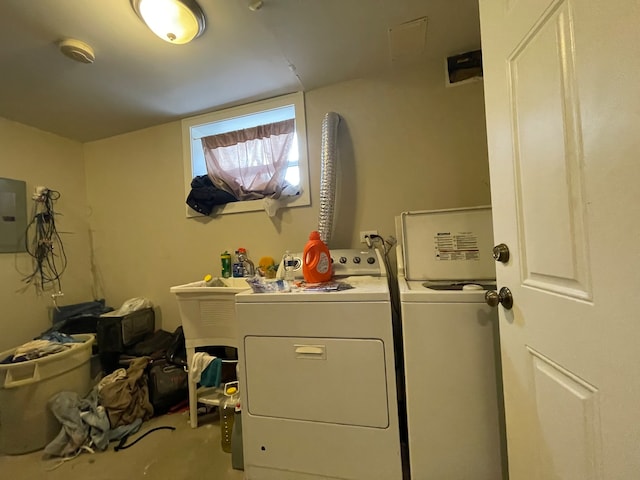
x=562, y=86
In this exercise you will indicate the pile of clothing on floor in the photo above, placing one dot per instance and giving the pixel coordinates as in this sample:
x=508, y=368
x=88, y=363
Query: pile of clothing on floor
x=114, y=409
x=124, y=398
x=142, y=377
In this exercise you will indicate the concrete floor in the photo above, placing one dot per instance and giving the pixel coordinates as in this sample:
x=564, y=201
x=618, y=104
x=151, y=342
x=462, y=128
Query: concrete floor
x=182, y=454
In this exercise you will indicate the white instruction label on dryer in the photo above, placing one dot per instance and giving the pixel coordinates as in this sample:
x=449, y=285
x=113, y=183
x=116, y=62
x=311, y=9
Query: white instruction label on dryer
x=456, y=246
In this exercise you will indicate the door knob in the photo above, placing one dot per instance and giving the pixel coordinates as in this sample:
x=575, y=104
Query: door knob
x=501, y=253
x=504, y=297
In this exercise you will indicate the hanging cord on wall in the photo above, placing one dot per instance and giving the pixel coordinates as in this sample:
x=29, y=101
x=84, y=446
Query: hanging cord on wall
x=385, y=246
x=44, y=245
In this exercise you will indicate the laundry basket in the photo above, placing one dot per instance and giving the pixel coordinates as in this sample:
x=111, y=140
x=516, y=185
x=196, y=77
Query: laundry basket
x=26, y=422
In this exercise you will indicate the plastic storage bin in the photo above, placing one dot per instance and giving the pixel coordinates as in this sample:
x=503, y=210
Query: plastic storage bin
x=26, y=422
x=208, y=317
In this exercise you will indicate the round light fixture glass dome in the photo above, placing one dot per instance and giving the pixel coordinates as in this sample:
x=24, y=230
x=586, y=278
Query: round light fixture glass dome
x=174, y=21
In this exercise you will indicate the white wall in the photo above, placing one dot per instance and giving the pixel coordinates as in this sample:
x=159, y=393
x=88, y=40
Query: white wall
x=41, y=158
x=406, y=143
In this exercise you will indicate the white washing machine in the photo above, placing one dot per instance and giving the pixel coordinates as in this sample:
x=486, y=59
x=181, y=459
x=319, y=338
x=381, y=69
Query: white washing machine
x=319, y=393
x=450, y=343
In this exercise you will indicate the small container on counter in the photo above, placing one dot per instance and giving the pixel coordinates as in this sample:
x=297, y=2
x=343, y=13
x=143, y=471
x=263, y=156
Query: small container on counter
x=288, y=262
x=225, y=260
x=316, y=260
x=237, y=268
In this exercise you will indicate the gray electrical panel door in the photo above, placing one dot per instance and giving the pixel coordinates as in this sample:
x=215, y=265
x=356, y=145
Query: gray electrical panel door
x=13, y=215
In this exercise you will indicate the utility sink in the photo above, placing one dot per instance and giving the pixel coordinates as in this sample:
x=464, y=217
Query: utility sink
x=208, y=314
x=229, y=285
x=208, y=318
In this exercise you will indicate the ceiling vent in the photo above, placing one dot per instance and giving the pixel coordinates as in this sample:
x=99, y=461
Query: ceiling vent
x=407, y=41
x=77, y=50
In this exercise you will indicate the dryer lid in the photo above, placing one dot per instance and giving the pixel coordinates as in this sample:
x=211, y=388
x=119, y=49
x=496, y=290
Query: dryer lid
x=453, y=244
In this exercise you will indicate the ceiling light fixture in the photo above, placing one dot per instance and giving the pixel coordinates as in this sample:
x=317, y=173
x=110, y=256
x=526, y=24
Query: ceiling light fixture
x=174, y=21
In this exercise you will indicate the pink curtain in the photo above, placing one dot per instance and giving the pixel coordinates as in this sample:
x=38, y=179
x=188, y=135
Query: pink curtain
x=250, y=163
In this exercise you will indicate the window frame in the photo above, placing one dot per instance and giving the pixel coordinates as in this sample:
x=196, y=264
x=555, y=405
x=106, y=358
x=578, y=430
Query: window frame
x=198, y=121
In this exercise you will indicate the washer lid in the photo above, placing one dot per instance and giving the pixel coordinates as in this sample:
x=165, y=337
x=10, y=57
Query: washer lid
x=419, y=291
x=452, y=244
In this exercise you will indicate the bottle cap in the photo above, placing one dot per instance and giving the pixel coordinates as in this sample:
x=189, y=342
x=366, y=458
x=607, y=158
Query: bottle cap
x=208, y=278
x=231, y=390
x=242, y=250
x=314, y=235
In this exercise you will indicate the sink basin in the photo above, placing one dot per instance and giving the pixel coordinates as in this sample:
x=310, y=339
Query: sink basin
x=234, y=282
x=208, y=314
x=232, y=285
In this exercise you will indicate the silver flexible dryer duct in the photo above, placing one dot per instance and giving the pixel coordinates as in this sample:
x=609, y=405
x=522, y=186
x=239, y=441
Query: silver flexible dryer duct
x=328, y=160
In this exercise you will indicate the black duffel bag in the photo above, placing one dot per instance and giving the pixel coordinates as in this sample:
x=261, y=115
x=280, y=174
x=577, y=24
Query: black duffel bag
x=168, y=385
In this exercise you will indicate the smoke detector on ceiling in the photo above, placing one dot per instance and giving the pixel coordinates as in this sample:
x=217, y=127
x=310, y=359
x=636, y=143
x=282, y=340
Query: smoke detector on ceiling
x=77, y=50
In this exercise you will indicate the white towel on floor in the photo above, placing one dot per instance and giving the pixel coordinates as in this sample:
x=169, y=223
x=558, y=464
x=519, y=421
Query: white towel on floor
x=199, y=363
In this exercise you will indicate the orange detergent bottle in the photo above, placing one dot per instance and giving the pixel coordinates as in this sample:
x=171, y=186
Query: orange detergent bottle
x=316, y=260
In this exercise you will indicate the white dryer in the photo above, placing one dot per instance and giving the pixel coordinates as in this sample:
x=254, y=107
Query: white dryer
x=318, y=373
x=450, y=344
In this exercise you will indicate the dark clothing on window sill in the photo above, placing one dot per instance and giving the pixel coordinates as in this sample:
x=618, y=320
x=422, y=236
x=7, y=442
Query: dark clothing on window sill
x=204, y=195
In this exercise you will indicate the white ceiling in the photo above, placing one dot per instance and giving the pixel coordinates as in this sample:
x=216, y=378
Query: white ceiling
x=138, y=80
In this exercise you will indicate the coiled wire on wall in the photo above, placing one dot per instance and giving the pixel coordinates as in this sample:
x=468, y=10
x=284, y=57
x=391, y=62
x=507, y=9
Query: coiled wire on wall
x=328, y=160
x=43, y=243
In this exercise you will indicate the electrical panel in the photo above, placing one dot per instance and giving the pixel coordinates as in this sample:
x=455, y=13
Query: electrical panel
x=13, y=215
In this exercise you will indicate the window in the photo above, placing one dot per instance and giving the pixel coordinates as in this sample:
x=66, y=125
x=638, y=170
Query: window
x=250, y=116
